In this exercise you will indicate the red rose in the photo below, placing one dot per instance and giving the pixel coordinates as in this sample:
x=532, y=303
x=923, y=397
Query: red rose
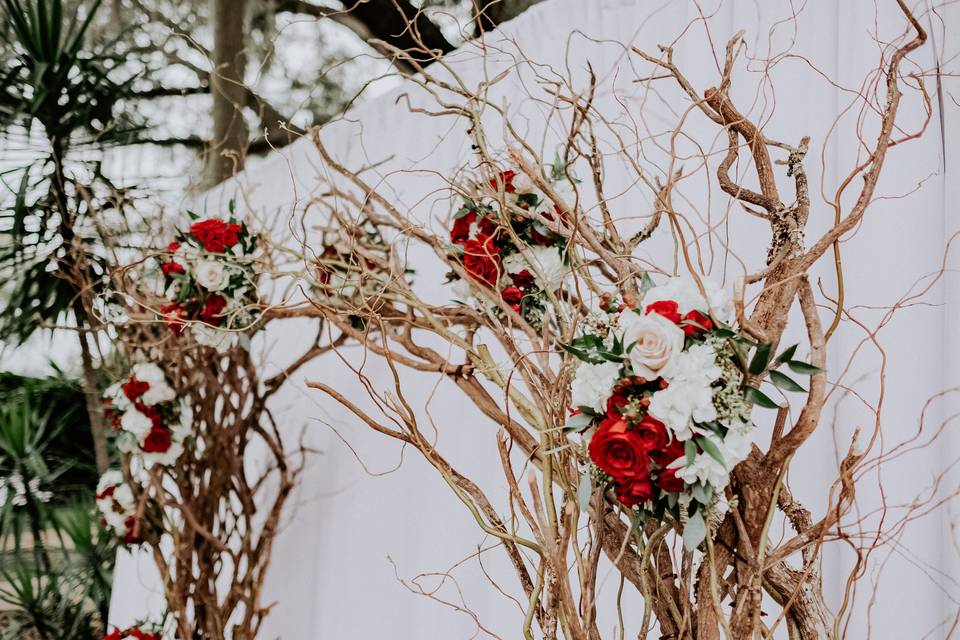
x=506, y=179
x=667, y=454
x=174, y=315
x=173, y=246
x=695, y=322
x=212, y=309
x=652, y=433
x=151, y=412
x=667, y=308
x=460, y=232
x=131, y=536
x=512, y=296
x=113, y=635
x=619, y=451
x=106, y=493
x=634, y=491
x=522, y=279
x=157, y=441
x=481, y=259
x=134, y=388
x=615, y=405
x=216, y=235
x=669, y=482
x=171, y=268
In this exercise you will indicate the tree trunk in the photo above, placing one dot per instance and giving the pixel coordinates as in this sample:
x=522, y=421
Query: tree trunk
x=230, y=133
x=94, y=402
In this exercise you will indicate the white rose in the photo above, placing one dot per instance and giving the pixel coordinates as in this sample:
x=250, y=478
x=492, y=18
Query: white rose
x=593, y=384
x=653, y=342
x=136, y=423
x=545, y=263
x=111, y=478
x=209, y=336
x=153, y=375
x=211, y=275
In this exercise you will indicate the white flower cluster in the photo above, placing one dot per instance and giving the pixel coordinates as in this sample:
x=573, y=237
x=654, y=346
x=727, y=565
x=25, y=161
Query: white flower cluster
x=16, y=490
x=692, y=377
x=137, y=422
x=116, y=503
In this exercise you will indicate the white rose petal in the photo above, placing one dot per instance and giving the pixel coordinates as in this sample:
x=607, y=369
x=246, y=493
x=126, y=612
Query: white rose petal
x=211, y=275
x=593, y=385
x=154, y=376
x=545, y=263
x=653, y=343
x=136, y=423
x=209, y=336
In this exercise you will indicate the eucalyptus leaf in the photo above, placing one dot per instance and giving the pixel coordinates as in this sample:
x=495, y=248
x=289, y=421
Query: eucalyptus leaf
x=584, y=491
x=702, y=493
x=694, y=531
x=690, y=449
x=710, y=447
x=578, y=422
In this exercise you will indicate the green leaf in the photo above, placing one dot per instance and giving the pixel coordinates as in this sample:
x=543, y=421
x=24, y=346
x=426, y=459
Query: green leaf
x=711, y=448
x=646, y=283
x=690, y=449
x=578, y=422
x=785, y=382
x=694, y=531
x=702, y=493
x=584, y=491
x=803, y=368
x=787, y=355
x=760, y=398
x=761, y=358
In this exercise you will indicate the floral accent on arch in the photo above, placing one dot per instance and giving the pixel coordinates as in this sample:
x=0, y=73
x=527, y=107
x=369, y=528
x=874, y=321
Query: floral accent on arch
x=151, y=422
x=209, y=282
x=516, y=255
x=142, y=631
x=663, y=398
x=117, y=506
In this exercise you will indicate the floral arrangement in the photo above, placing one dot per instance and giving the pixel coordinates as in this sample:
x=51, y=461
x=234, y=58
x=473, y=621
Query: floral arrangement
x=208, y=280
x=139, y=632
x=117, y=506
x=661, y=395
x=488, y=238
x=150, y=421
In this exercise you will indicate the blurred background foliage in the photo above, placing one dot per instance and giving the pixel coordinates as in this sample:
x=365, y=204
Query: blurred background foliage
x=111, y=113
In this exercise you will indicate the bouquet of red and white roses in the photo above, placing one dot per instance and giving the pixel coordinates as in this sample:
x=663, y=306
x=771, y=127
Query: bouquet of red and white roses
x=139, y=632
x=663, y=397
x=151, y=422
x=117, y=506
x=209, y=280
x=516, y=255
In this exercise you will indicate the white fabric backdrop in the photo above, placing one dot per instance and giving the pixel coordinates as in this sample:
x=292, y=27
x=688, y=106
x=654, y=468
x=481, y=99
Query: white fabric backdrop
x=368, y=518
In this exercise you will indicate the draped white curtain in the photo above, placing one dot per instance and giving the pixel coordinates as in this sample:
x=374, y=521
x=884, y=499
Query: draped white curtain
x=375, y=545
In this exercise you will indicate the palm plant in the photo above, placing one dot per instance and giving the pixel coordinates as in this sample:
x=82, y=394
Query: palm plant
x=55, y=567
x=63, y=98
